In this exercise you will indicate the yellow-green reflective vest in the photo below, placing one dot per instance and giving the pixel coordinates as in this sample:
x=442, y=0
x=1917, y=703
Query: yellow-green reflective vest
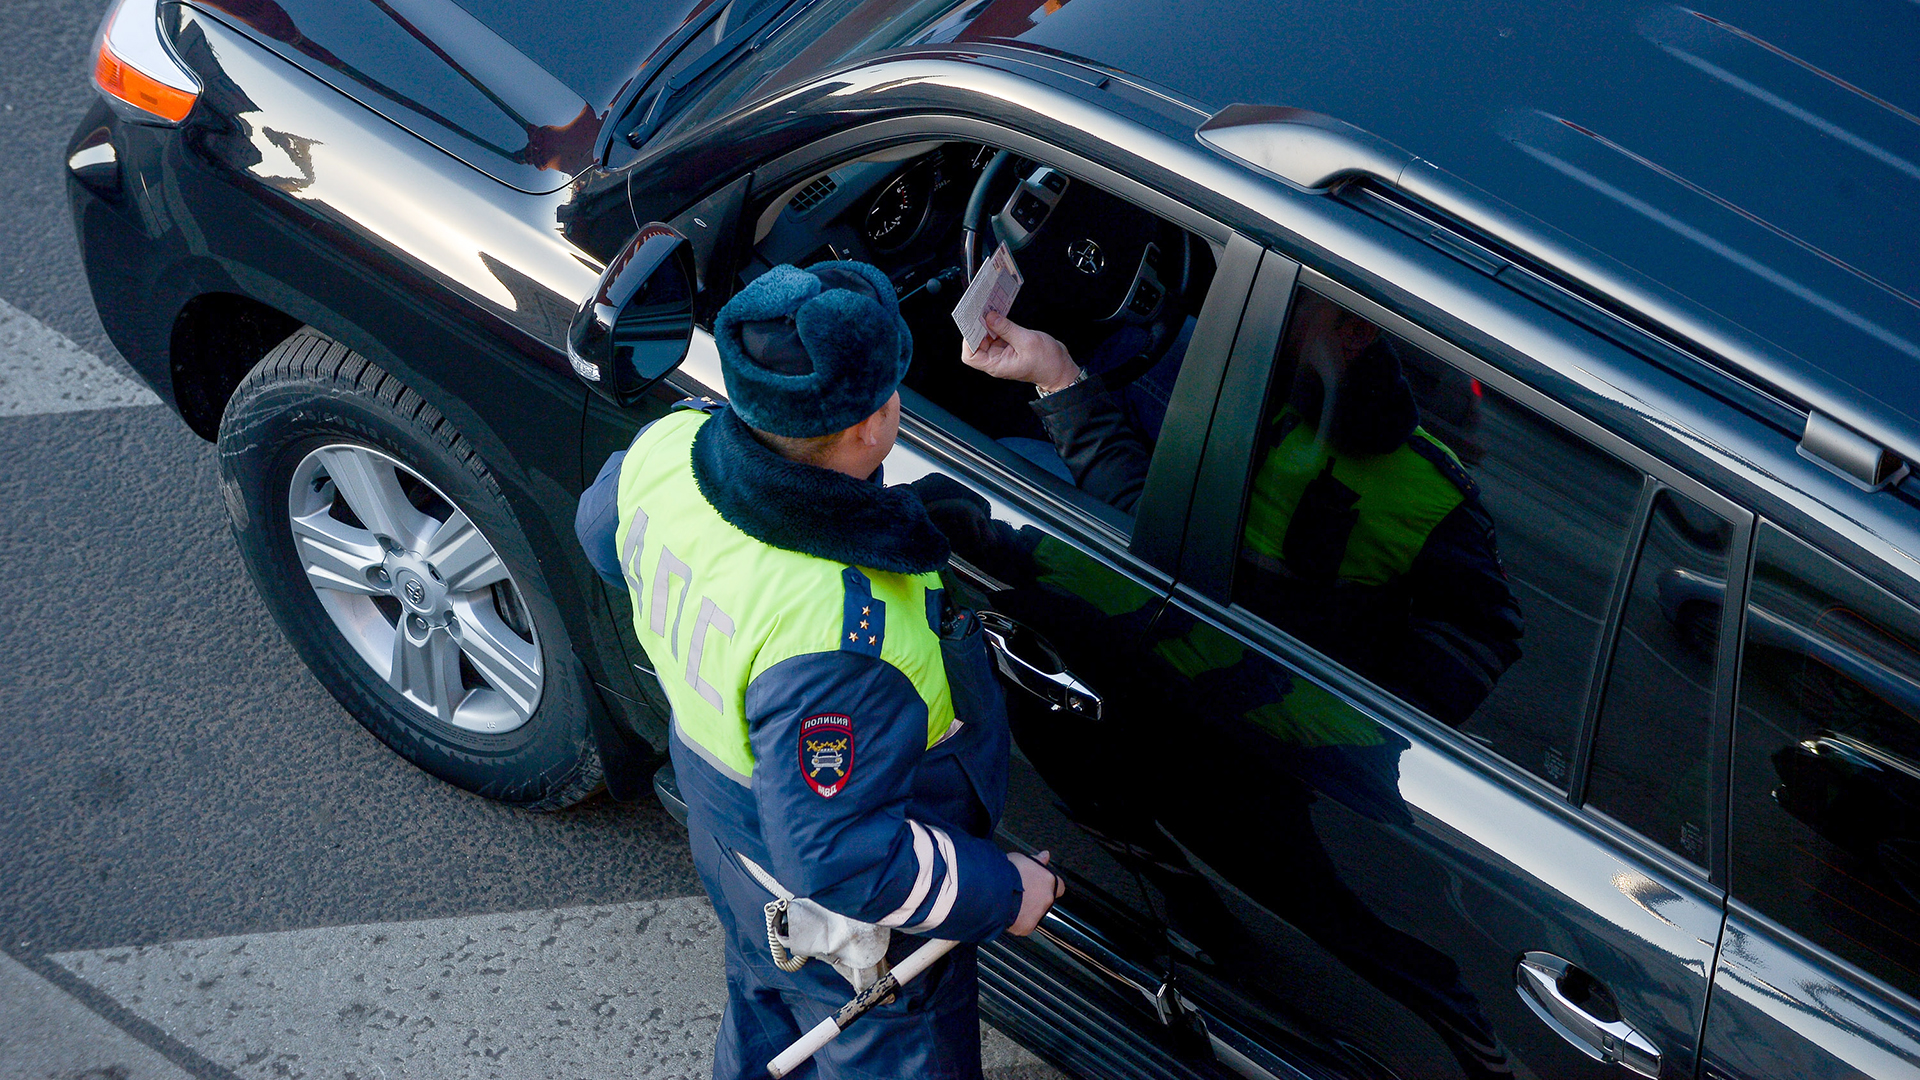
x=715, y=608
x=1403, y=496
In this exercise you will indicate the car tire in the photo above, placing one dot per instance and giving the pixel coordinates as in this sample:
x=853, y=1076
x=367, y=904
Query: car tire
x=386, y=552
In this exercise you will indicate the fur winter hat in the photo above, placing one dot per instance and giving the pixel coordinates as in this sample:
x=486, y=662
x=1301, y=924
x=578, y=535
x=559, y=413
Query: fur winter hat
x=815, y=351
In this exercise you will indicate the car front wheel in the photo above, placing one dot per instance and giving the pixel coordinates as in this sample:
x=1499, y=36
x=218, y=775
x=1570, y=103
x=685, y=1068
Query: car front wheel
x=391, y=560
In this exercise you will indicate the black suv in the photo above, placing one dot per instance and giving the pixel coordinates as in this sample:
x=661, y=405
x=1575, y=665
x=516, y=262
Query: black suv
x=1643, y=277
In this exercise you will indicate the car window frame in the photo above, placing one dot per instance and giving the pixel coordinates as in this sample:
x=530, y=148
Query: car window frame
x=1207, y=567
x=1152, y=548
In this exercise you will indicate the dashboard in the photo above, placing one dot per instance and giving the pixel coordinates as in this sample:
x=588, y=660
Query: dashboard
x=899, y=210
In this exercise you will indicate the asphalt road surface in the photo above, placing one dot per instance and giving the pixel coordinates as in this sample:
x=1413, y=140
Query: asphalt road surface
x=206, y=867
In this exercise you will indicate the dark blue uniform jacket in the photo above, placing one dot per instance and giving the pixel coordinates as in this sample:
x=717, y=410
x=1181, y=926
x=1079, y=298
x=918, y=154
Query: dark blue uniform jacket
x=906, y=844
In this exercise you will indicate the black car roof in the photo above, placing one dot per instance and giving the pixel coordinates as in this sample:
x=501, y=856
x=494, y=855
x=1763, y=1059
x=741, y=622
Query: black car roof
x=1762, y=160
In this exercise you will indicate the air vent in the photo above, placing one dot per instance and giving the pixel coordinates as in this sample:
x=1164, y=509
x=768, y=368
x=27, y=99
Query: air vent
x=812, y=195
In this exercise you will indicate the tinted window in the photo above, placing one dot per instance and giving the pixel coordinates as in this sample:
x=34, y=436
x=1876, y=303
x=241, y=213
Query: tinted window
x=1650, y=755
x=1437, y=536
x=1826, y=773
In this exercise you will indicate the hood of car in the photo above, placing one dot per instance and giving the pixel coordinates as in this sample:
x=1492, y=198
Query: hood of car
x=1760, y=158
x=516, y=88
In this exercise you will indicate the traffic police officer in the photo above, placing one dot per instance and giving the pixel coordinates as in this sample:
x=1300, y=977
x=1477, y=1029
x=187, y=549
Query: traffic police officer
x=831, y=743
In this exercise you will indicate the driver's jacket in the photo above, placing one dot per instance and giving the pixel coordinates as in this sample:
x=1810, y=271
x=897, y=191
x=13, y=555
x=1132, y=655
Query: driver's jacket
x=814, y=728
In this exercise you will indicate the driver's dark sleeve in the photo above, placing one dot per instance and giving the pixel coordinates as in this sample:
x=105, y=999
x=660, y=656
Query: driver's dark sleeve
x=1103, y=450
x=1464, y=625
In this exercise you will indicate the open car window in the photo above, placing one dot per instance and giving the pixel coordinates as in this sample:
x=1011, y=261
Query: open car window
x=1118, y=287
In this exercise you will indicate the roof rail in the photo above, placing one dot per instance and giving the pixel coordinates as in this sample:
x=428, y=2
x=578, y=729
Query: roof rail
x=1316, y=153
x=1305, y=149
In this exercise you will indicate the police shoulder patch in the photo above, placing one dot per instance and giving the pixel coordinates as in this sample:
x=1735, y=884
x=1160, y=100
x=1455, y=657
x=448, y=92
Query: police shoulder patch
x=826, y=753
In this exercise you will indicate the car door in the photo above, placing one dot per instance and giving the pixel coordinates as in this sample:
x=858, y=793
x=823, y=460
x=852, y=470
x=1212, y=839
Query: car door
x=1817, y=976
x=1457, y=818
x=1069, y=585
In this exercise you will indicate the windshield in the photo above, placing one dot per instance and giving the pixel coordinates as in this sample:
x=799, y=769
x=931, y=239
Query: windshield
x=823, y=34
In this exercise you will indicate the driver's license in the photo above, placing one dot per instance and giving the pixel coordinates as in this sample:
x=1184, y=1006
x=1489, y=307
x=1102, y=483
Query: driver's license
x=992, y=289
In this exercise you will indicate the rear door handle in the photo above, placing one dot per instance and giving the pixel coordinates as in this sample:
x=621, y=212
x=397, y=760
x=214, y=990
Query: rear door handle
x=1029, y=662
x=1583, y=1011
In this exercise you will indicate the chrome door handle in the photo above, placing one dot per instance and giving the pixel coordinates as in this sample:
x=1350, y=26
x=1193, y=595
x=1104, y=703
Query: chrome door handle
x=1028, y=662
x=1550, y=986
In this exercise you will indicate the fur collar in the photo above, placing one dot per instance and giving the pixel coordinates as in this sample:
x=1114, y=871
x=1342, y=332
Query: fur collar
x=811, y=510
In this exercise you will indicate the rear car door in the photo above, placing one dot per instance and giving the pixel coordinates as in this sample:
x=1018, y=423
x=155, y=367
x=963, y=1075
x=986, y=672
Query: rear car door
x=1820, y=971
x=1434, y=789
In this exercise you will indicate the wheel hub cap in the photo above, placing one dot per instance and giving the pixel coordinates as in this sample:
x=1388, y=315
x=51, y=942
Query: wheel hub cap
x=416, y=585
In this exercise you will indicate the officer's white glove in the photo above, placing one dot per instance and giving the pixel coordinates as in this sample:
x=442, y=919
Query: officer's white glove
x=857, y=950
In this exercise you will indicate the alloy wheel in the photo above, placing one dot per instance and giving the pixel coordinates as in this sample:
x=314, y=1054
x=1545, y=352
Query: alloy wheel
x=415, y=588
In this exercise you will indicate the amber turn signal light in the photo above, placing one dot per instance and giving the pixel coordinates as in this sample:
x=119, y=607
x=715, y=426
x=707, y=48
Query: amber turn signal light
x=121, y=80
x=137, y=70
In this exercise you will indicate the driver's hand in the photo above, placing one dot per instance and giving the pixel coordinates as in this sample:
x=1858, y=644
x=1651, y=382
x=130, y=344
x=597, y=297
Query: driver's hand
x=1011, y=351
x=1039, y=886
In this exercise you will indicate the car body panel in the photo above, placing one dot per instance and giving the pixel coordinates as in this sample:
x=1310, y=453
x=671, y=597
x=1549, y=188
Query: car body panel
x=1782, y=1008
x=1384, y=890
x=489, y=81
x=460, y=286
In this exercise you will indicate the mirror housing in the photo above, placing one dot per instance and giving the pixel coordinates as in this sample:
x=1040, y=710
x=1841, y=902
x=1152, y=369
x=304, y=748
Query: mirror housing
x=635, y=328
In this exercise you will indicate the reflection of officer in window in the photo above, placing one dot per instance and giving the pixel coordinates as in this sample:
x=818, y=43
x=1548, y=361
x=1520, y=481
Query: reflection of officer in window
x=1233, y=781
x=1364, y=536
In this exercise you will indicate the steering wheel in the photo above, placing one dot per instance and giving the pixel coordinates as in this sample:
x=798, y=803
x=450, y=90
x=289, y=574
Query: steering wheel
x=1091, y=261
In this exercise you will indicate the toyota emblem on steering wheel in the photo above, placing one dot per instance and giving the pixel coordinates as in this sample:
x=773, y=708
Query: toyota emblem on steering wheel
x=1086, y=256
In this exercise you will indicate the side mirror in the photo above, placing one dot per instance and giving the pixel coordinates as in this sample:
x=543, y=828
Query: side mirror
x=635, y=327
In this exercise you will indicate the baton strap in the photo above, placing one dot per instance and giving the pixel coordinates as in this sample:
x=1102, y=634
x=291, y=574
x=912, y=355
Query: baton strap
x=776, y=910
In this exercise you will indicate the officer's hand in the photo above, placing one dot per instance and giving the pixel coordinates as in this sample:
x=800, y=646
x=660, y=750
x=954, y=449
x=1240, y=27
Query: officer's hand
x=957, y=511
x=1012, y=351
x=1039, y=888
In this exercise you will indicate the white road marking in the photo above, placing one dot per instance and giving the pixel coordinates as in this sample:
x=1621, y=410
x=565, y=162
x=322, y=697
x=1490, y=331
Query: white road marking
x=42, y=371
x=631, y=990
x=45, y=1033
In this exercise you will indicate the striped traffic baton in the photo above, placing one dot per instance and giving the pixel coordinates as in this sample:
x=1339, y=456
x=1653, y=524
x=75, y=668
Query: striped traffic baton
x=827, y=1030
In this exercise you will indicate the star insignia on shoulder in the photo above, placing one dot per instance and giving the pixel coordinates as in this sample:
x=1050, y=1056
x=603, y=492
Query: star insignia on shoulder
x=852, y=636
